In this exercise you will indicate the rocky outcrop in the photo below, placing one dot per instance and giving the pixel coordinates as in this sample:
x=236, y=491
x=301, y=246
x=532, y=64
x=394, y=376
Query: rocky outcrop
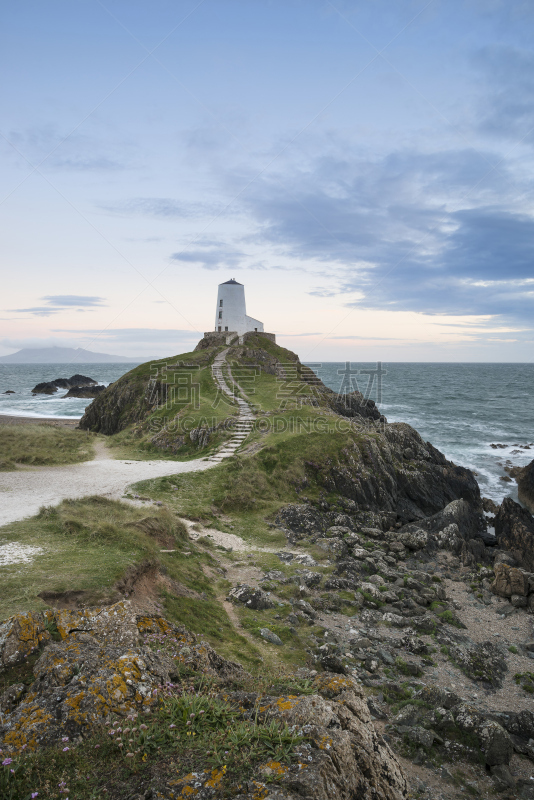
x=85, y=391
x=138, y=393
x=525, y=486
x=457, y=528
x=514, y=529
x=101, y=670
x=346, y=758
x=101, y=666
x=50, y=387
x=353, y=404
x=396, y=472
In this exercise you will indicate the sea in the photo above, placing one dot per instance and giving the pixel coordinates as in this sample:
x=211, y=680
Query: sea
x=462, y=409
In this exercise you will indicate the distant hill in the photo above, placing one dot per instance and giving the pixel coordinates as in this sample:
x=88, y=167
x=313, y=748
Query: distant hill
x=64, y=355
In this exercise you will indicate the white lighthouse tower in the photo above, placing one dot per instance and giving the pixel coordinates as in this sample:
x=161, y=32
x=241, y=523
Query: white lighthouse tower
x=231, y=313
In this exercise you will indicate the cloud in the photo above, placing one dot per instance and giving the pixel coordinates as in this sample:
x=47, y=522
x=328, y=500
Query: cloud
x=60, y=302
x=162, y=207
x=38, y=342
x=427, y=232
x=220, y=257
x=507, y=107
x=135, y=335
x=73, y=300
x=52, y=148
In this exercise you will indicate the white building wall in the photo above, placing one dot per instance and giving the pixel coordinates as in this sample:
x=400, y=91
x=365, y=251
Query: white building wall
x=230, y=314
x=254, y=324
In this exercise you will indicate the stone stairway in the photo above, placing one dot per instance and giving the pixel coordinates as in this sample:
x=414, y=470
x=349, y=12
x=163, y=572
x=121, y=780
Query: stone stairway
x=245, y=420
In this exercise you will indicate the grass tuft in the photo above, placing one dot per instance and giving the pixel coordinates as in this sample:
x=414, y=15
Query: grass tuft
x=43, y=445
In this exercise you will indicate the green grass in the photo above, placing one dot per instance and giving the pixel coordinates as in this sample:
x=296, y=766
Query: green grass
x=94, y=540
x=259, y=483
x=43, y=445
x=209, y=618
x=196, y=728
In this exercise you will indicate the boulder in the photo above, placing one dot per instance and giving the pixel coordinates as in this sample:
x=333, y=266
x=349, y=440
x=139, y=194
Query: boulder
x=514, y=529
x=252, y=598
x=413, y=539
x=525, y=486
x=336, y=547
x=510, y=581
x=468, y=520
x=49, y=387
x=84, y=391
x=483, y=662
x=493, y=740
x=270, y=636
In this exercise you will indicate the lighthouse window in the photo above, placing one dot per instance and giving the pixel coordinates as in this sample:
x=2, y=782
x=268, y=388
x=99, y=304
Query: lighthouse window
x=221, y=302
x=220, y=314
x=226, y=328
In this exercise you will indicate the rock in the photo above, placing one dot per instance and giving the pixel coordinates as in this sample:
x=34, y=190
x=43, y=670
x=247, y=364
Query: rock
x=415, y=645
x=310, y=579
x=371, y=475
x=435, y=697
x=422, y=737
x=9, y=391
x=333, y=663
x=84, y=391
x=339, y=532
x=518, y=601
x=484, y=662
x=371, y=590
x=371, y=664
x=514, y=529
x=303, y=605
x=396, y=620
x=10, y=698
x=22, y=635
x=348, y=758
x=502, y=777
x=386, y=657
x=337, y=547
x=525, y=486
x=360, y=643
x=408, y=715
x=270, y=637
x=509, y=581
x=252, y=598
x=100, y=667
x=353, y=404
x=413, y=539
x=50, y=387
x=494, y=741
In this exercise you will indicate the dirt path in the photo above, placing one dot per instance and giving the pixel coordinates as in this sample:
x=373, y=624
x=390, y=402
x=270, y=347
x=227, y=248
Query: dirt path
x=23, y=492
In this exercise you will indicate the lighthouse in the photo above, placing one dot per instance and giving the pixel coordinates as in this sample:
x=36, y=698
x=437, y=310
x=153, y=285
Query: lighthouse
x=231, y=312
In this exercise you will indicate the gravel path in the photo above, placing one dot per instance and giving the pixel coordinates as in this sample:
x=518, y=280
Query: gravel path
x=23, y=492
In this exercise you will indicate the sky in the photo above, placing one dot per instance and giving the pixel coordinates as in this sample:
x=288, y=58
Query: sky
x=365, y=169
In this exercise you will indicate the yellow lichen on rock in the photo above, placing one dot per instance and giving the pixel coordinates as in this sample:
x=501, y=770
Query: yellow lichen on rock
x=274, y=769
x=329, y=685
x=20, y=636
